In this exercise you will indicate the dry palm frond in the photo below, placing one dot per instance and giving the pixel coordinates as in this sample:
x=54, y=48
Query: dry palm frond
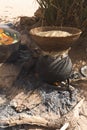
x=64, y=12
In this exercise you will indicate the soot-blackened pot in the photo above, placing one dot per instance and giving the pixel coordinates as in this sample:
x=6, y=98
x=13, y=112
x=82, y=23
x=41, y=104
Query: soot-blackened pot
x=53, y=69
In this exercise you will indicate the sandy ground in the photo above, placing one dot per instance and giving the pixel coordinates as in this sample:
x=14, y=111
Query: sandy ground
x=10, y=9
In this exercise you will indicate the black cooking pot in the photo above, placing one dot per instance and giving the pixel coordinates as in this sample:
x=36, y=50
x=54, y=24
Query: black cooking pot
x=53, y=69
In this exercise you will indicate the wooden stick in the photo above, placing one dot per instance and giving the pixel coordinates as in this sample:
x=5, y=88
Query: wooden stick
x=55, y=122
x=65, y=126
x=31, y=120
x=80, y=79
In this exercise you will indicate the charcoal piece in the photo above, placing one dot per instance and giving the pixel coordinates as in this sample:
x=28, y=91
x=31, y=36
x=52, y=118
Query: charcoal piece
x=75, y=75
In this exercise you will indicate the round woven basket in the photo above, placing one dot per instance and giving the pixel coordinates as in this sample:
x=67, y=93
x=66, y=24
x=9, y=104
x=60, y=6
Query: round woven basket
x=55, y=43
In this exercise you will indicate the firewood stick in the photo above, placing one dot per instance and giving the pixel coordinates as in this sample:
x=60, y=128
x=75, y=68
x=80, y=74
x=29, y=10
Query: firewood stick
x=80, y=79
x=23, y=118
x=31, y=120
x=73, y=116
x=65, y=126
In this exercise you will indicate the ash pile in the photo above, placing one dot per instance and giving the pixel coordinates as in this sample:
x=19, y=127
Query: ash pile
x=29, y=97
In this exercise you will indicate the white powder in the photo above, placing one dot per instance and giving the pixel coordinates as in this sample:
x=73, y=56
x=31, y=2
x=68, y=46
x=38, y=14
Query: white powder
x=54, y=33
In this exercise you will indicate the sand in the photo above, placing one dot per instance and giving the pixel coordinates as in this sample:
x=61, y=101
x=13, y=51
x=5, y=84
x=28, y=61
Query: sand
x=11, y=9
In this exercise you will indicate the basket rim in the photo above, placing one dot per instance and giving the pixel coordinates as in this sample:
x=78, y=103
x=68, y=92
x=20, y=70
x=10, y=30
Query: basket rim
x=36, y=29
